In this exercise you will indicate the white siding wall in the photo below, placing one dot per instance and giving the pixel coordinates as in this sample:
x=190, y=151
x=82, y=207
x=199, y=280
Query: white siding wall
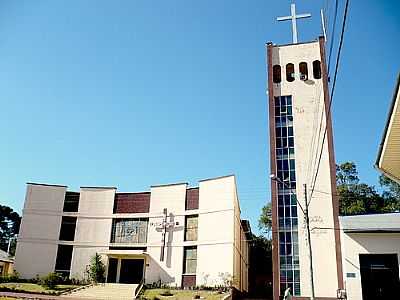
x=308, y=102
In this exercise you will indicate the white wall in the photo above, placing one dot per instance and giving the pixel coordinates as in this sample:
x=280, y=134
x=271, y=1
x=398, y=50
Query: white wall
x=354, y=244
x=173, y=198
x=93, y=227
x=39, y=231
x=308, y=103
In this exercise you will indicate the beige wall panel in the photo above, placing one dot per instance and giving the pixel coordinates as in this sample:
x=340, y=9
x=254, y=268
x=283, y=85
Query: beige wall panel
x=35, y=259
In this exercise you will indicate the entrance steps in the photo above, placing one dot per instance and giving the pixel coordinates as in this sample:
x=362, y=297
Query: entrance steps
x=107, y=291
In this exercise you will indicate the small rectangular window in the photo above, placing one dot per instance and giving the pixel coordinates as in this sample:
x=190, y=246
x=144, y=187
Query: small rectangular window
x=191, y=223
x=67, y=230
x=71, y=202
x=63, y=260
x=190, y=260
x=316, y=69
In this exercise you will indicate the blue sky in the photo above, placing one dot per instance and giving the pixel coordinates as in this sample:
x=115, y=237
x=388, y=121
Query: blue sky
x=135, y=93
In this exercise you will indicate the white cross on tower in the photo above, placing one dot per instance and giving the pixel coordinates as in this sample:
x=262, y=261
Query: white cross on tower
x=293, y=17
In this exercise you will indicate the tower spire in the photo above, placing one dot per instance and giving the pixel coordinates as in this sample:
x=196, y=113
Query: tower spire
x=293, y=17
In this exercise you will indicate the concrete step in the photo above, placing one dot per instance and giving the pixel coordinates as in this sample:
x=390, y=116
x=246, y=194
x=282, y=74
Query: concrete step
x=107, y=291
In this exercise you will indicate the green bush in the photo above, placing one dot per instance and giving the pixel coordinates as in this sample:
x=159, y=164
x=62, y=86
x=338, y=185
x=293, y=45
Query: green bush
x=97, y=269
x=50, y=280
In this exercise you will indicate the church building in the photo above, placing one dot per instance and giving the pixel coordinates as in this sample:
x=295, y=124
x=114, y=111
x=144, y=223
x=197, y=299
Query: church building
x=172, y=234
x=302, y=170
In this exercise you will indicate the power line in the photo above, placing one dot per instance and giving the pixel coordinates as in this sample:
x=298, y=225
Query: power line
x=332, y=94
x=333, y=35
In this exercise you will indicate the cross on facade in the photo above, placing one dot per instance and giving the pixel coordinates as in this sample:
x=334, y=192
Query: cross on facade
x=293, y=17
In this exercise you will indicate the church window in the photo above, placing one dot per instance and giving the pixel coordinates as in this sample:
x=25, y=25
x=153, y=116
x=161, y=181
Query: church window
x=191, y=228
x=316, y=69
x=290, y=72
x=303, y=71
x=190, y=260
x=276, y=73
x=287, y=204
x=129, y=231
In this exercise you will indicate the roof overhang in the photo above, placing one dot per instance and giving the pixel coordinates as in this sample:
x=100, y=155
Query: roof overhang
x=125, y=253
x=374, y=223
x=388, y=160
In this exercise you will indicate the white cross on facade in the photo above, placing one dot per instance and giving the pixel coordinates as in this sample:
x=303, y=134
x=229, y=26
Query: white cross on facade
x=293, y=17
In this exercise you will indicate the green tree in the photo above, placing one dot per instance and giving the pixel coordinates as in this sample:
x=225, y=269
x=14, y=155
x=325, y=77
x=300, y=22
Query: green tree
x=9, y=227
x=265, y=220
x=97, y=269
x=360, y=198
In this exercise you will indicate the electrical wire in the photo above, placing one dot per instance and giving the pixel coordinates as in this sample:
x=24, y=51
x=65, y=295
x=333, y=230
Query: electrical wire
x=332, y=95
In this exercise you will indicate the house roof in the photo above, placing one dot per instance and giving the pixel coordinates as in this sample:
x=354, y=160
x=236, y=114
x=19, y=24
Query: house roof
x=388, y=160
x=5, y=257
x=370, y=223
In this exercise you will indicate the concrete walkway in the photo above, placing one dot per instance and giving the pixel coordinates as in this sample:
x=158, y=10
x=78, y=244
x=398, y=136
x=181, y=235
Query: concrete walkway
x=108, y=291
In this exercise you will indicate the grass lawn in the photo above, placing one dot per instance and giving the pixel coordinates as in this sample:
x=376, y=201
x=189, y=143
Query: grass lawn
x=182, y=294
x=36, y=288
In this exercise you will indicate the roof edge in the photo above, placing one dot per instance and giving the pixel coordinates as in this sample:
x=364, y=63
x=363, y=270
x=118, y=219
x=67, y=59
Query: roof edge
x=391, y=108
x=46, y=184
x=219, y=177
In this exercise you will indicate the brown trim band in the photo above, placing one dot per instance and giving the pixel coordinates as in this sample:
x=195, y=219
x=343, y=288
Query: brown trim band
x=332, y=164
x=272, y=147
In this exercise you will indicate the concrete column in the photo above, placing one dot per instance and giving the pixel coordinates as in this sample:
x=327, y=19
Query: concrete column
x=118, y=269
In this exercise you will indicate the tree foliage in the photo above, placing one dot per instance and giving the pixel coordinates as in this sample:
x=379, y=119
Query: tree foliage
x=97, y=269
x=265, y=219
x=9, y=227
x=360, y=198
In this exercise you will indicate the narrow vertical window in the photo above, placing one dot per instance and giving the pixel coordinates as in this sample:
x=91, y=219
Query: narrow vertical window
x=71, y=202
x=63, y=260
x=303, y=71
x=190, y=260
x=316, y=69
x=67, y=231
x=191, y=228
x=276, y=74
x=290, y=72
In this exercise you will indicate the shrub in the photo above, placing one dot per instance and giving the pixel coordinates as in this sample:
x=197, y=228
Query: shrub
x=50, y=280
x=97, y=269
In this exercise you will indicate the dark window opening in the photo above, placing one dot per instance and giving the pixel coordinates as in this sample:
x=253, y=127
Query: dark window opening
x=67, y=230
x=192, y=199
x=316, y=69
x=290, y=72
x=303, y=71
x=71, y=202
x=64, y=257
x=276, y=74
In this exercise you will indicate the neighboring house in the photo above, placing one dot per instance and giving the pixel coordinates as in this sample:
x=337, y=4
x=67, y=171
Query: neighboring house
x=171, y=234
x=6, y=263
x=371, y=252
x=388, y=160
x=371, y=243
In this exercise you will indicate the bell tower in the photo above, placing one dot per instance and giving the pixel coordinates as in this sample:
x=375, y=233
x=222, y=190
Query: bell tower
x=303, y=170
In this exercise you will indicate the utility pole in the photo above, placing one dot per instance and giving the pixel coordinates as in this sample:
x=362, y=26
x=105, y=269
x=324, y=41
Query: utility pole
x=307, y=221
x=305, y=211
